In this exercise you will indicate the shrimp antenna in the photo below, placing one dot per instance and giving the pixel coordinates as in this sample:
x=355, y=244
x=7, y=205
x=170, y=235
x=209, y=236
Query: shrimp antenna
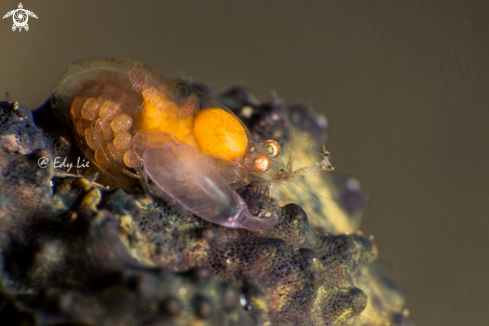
x=287, y=173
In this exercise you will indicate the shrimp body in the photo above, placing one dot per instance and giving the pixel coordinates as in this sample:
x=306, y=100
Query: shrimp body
x=125, y=116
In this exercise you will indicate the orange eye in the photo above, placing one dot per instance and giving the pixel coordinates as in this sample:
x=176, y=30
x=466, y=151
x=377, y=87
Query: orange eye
x=261, y=164
x=273, y=148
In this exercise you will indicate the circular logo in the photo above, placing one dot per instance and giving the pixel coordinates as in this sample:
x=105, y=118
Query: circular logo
x=43, y=162
x=20, y=17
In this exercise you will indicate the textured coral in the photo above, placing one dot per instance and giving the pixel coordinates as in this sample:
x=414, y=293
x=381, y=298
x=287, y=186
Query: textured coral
x=73, y=253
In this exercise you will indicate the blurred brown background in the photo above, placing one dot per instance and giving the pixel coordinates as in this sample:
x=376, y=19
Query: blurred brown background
x=404, y=84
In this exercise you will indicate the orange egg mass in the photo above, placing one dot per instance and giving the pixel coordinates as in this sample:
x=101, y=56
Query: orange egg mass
x=220, y=134
x=162, y=114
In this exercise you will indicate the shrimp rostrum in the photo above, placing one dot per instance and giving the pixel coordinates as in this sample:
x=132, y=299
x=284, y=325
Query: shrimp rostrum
x=127, y=118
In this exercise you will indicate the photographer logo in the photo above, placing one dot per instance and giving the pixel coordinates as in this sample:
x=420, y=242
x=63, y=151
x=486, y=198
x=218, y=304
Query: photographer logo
x=20, y=17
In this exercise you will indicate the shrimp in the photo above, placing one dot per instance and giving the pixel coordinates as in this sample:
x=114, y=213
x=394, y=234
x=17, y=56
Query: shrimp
x=127, y=118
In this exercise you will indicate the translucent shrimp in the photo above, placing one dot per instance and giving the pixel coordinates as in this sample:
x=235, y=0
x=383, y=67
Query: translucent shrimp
x=127, y=118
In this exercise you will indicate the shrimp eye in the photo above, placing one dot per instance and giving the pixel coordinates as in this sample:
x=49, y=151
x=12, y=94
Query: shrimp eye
x=273, y=148
x=261, y=164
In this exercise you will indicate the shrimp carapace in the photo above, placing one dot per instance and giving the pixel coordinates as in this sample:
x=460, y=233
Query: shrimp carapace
x=125, y=115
